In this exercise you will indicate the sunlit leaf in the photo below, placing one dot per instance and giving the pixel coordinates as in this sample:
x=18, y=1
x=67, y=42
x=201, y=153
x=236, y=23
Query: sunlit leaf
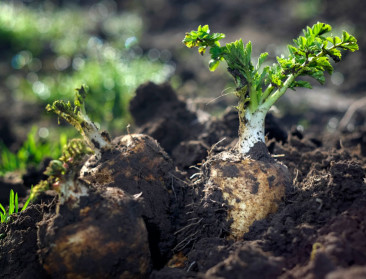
x=213, y=64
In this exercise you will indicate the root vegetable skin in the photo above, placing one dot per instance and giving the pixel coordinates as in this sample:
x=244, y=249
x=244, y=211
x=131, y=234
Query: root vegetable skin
x=252, y=189
x=103, y=237
x=139, y=167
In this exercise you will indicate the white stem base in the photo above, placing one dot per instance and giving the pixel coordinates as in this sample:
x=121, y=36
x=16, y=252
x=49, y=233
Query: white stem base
x=254, y=130
x=94, y=137
x=71, y=192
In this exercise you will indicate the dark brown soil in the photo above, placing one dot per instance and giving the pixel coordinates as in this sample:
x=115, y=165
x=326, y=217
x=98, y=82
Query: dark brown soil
x=140, y=167
x=319, y=230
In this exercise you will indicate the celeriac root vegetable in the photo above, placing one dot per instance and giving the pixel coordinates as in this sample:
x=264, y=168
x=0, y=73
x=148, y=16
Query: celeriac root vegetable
x=139, y=166
x=96, y=233
x=115, y=206
x=250, y=188
x=251, y=185
x=103, y=237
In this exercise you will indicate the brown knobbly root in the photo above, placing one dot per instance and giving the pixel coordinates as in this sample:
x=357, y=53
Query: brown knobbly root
x=139, y=166
x=103, y=237
x=232, y=192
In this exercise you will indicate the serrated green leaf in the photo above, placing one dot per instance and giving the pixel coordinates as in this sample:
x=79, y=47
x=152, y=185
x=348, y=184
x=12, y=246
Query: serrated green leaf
x=293, y=50
x=324, y=63
x=336, y=40
x=319, y=76
x=217, y=52
x=301, y=83
x=345, y=36
x=285, y=63
x=248, y=53
x=302, y=41
x=330, y=39
x=335, y=54
x=262, y=77
x=308, y=32
x=350, y=46
x=262, y=57
x=202, y=39
x=349, y=42
x=204, y=28
x=321, y=28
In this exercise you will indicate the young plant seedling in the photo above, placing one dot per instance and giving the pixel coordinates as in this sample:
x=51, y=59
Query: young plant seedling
x=63, y=169
x=258, y=88
x=77, y=117
x=100, y=203
x=13, y=207
x=252, y=188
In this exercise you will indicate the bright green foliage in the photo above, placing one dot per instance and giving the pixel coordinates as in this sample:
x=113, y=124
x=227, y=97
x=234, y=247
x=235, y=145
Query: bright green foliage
x=203, y=39
x=13, y=207
x=73, y=154
x=32, y=152
x=75, y=115
x=48, y=51
x=259, y=87
x=111, y=82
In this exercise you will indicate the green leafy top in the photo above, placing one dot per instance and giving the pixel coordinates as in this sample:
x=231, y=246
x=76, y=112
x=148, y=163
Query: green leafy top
x=260, y=87
x=77, y=117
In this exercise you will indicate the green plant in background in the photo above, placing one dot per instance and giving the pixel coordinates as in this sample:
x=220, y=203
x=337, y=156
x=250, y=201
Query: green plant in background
x=258, y=88
x=32, y=152
x=66, y=31
x=13, y=207
x=111, y=83
x=56, y=50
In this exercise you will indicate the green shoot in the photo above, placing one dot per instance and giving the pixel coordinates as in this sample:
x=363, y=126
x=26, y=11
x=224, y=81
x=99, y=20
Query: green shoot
x=13, y=207
x=258, y=88
x=33, y=151
x=73, y=154
x=77, y=117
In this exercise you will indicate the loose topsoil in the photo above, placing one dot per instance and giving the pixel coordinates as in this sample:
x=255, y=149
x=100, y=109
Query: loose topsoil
x=319, y=230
